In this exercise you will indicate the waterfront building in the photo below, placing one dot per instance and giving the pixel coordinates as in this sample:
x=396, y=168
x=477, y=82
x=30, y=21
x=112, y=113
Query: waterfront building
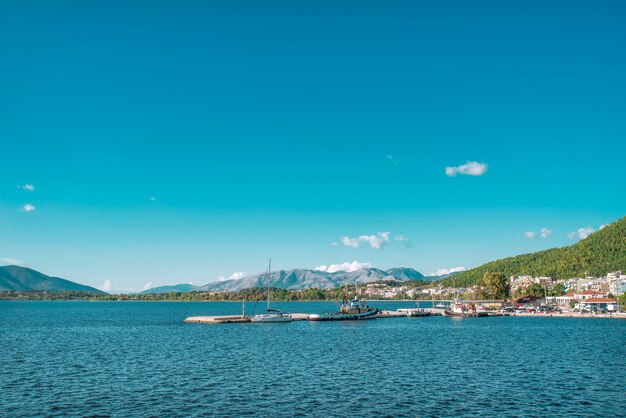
x=595, y=304
x=589, y=294
x=563, y=300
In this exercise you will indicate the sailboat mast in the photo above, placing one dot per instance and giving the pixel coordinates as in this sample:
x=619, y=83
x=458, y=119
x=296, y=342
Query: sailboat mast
x=269, y=276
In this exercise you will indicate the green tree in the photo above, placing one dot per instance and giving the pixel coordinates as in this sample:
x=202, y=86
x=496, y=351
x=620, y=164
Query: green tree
x=535, y=290
x=558, y=290
x=495, y=285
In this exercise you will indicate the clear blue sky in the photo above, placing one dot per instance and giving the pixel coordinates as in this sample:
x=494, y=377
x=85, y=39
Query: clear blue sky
x=276, y=128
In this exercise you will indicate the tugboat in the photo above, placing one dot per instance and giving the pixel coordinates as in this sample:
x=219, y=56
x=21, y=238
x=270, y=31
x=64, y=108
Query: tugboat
x=355, y=309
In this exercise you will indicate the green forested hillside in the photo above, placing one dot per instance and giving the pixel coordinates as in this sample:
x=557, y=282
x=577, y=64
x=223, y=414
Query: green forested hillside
x=602, y=252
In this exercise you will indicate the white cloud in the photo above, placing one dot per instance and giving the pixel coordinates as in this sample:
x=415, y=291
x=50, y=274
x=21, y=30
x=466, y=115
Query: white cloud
x=235, y=276
x=334, y=244
x=444, y=271
x=147, y=286
x=12, y=261
x=375, y=241
x=581, y=233
x=530, y=235
x=353, y=266
x=603, y=226
x=471, y=168
x=27, y=187
x=350, y=242
x=106, y=286
x=404, y=240
x=29, y=207
x=545, y=232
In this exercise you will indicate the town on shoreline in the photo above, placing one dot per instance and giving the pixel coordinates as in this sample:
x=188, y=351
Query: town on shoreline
x=587, y=294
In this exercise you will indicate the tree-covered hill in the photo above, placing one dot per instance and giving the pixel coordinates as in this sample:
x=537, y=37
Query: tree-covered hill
x=600, y=253
x=25, y=279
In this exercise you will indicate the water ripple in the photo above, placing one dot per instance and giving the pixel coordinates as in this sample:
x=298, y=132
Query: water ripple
x=139, y=359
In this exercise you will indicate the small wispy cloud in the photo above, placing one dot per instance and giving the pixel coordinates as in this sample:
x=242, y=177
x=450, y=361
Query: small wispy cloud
x=152, y=199
x=106, y=286
x=404, y=240
x=27, y=187
x=11, y=261
x=470, y=168
x=235, y=276
x=581, y=233
x=392, y=159
x=543, y=233
x=444, y=271
x=29, y=207
x=334, y=244
x=349, y=267
x=375, y=241
x=603, y=226
x=147, y=286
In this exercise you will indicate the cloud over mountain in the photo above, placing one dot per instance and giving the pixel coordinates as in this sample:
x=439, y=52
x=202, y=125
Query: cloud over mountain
x=349, y=267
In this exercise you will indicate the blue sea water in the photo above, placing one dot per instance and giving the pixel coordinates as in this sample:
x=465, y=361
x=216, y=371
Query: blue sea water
x=141, y=359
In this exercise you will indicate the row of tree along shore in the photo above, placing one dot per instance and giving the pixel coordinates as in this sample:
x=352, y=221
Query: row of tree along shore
x=492, y=286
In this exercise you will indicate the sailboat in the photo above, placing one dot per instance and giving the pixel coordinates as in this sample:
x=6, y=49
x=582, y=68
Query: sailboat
x=271, y=315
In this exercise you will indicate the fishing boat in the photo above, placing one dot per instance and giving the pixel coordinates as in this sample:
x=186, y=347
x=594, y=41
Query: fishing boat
x=356, y=309
x=462, y=310
x=271, y=315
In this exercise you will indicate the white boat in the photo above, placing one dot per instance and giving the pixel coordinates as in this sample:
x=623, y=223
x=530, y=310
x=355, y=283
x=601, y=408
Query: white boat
x=271, y=315
x=461, y=310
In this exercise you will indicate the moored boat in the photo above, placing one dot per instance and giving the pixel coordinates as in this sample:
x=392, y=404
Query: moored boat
x=356, y=309
x=461, y=310
x=271, y=315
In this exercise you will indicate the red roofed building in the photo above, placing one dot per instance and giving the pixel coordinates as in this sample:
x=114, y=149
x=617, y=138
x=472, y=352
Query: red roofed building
x=599, y=303
x=566, y=299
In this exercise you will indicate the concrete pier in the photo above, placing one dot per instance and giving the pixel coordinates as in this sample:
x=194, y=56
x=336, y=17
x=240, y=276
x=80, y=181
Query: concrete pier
x=228, y=319
x=224, y=319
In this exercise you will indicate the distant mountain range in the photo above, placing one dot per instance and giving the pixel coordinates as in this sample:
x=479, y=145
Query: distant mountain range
x=177, y=288
x=309, y=279
x=598, y=254
x=22, y=278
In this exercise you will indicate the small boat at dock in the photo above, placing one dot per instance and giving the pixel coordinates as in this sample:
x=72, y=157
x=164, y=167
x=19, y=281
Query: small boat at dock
x=271, y=315
x=355, y=309
x=462, y=310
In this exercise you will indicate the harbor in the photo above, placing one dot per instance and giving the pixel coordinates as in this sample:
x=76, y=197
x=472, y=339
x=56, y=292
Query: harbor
x=409, y=313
